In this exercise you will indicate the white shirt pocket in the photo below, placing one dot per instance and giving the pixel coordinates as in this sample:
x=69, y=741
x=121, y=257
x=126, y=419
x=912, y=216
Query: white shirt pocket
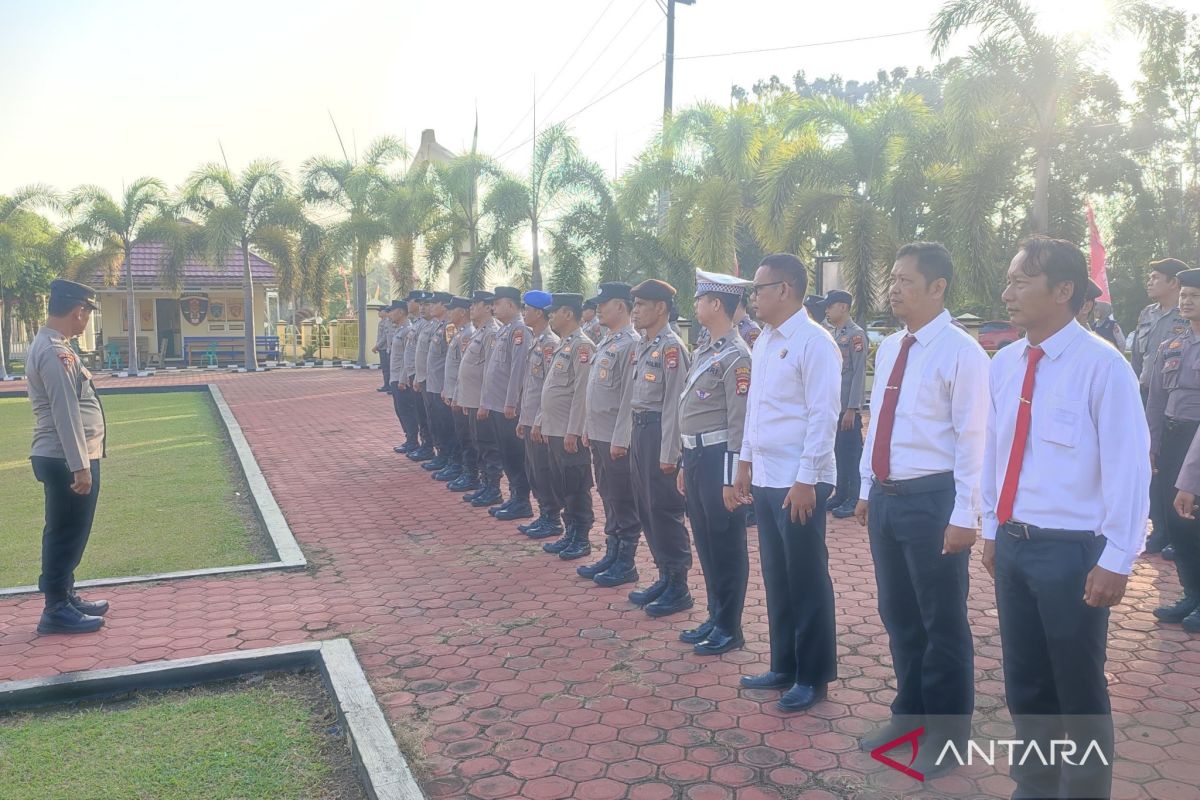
x=1063, y=421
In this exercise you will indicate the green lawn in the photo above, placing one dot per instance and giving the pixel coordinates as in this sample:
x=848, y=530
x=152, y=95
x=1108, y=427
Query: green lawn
x=170, y=495
x=268, y=741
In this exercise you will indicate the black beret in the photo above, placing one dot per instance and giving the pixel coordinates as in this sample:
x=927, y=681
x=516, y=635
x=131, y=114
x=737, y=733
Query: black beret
x=655, y=290
x=571, y=299
x=440, y=297
x=613, y=290
x=481, y=296
x=1168, y=266
x=589, y=303
x=72, y=292
x=1189, y=278
x=838, y=296
x=511, y=292
x=459, y=302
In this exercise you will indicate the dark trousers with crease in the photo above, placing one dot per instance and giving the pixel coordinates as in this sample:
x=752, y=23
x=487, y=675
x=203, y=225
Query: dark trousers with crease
x=442, y=423
x=512, y=454
x=1159, y=513
x=1184, y=534
x=720, y=536
x=539, y=471
x=614, y=481
x=468, y=456
x=385, y=366
x=484, y=434
x=660, y=506
x=68, y=524
x=1054, y=647
x=572, y=475
x=425, y=434
x=847, y=452
x=923, y=604
x=795, y=571
x=403, y=402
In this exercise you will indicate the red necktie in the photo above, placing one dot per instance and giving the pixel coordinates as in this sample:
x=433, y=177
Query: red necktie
x=1008, y=493
x=881, y=454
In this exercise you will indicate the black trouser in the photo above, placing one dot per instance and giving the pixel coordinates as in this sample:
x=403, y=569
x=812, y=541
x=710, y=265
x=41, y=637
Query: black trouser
x=404, y=402
x=719, y=534
x=1053, y=646
x=512, y=455
x=614, y=480
x=923, y=604
x=660, y=506
x=572, y=474
x=468, y=456
x=847, y=452
x=425, y=434
x=484, y=434
x=540, y=474
x=795, y=572
x=1159, y=518
x=385, y=366
x=442, y=423
x=68, y=525
x=1184, y=534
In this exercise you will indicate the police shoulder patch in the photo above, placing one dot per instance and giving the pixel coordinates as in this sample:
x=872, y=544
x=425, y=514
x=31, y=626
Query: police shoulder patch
x=518, y=336
x=741, y=377
x=548, y=352
x=66, y=358
x=671, y=356
x=585, y=354
x=858, y=342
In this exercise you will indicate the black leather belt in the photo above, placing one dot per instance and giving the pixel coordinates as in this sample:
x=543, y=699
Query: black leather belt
x=923, y=485
x=1019, y=530
x=646, y=417
x=1182, y=424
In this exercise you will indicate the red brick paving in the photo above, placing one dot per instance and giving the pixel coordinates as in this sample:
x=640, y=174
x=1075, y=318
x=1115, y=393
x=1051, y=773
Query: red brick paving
x=526, y=681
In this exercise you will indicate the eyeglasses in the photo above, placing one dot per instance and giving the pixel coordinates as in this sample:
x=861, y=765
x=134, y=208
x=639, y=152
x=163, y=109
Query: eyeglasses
x=758, y=287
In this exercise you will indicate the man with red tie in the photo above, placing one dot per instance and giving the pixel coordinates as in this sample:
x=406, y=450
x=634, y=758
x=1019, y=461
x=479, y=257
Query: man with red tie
x=1062, y=525
x=920, y=503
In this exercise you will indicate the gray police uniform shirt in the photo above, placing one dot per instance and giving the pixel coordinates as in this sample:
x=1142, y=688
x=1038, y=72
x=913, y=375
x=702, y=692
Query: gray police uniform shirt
x=424, y=337
x=397, y=353
x=538, y=356
x=593, y=330
x=454, y=356
x=660, y=370
x=502, y=377
x=852, y=341
x=383, y=334
x=474, y=362
x=607, y=382
x=68, y=417
x=563, y=409
x=410, y=348
x=714, y=398
x=441, y=332
x=747, y=328
x=1174, y=386
x=1155, y=325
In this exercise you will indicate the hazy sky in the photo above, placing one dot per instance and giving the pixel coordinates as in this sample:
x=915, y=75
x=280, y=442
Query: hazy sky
x=105, y=92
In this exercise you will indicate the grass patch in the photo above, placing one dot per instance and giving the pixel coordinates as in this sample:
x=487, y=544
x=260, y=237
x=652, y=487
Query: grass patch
x=171, y=495
x=276, y=739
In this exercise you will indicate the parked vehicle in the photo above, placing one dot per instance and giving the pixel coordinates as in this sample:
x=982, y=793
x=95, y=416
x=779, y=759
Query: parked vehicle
x=997, y=334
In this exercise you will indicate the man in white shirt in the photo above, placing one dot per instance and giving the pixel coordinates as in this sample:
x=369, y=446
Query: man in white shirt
x=1062, y=525
x=786, y=469
x=920, y=502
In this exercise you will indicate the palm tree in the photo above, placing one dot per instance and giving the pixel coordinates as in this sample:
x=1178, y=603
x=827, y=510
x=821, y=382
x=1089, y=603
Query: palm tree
x=410, y=210
x=114, y=228
x=357, y=189
x=1017, y=79
x=14, y=244
x=848, y=175
x=254, y=209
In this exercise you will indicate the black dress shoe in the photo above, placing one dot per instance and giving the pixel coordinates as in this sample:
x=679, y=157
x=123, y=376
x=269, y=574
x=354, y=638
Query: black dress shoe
x=844, y=511
x=890, y=731
x=62, y=617
x=518, y=510
x=801, y=696
x=1191, y=623
x=402, y=449
x=1156, y=541
x=1177, y=611
x=719, y=642
x=699, y=634
x=93, y=608
x=1168, y=553
x=768, y=680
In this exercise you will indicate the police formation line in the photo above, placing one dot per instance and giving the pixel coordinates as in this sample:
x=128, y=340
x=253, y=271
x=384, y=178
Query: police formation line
x=554, y=392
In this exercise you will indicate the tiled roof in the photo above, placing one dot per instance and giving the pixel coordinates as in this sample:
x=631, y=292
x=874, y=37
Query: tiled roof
x=147, y=259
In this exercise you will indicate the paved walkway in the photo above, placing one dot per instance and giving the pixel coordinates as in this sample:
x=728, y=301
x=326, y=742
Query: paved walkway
x=523, y=680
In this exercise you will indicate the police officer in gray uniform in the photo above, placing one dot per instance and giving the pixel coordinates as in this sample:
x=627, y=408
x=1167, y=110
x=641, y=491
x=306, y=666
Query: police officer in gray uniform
x=470, y=397
x=712, y=419
x=416, y=359
x=440, y=421
x=560, y=423
x=68, y=443
x=425, y=330
x=383, y=342
x=847, y=445
x=605, y=392
x=502, y=398
x=649, y=427
x=747, y=328
x=1173, y=413
x=468, y=458
x=540, y=347
x=591, y=321
x=402, y=394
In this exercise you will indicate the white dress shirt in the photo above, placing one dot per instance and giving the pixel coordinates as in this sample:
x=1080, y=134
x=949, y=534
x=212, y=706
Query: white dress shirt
x=1082, y=386
x=794, y=404
x=941, y=413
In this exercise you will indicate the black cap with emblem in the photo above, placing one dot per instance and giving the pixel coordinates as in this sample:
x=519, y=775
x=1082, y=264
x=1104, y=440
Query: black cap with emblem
x=481, y=296
x=459, y=302
x=63, y=292
x=568, y=299
x=1190, y=278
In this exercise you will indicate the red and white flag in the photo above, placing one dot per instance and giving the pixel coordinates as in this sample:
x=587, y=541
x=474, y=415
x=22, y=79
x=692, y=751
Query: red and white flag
x=1098, y=258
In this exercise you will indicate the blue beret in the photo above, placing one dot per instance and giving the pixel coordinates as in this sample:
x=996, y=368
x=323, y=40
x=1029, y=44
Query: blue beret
x=538, y=299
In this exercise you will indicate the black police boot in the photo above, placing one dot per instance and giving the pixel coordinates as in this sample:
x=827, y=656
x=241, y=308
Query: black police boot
x=62, y=617
x=553, y=526
x=467, y=482
x=1177, y=611
x=404, y=449
x=542, y=518
x=448, y=472
x=676, y=598
x=561, y=543
x=436, y=464
x=1191, y=623
x=611, y=546
x=623, y=569
x=422, y=454
x=517, y=509
x=93, y=608
x=641, y=597
x=580, y=546
x=505, y=504
x=489, y=496
x=1156, y=541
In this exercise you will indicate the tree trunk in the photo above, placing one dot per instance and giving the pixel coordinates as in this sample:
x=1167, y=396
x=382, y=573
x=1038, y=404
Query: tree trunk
x=248, y=303
x=1041, y=191
x=131, y=313
x=535, y=281
x=360, y=302
x=405, y=259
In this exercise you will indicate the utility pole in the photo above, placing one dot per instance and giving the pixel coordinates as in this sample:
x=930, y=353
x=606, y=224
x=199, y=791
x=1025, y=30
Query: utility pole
x=664, y=196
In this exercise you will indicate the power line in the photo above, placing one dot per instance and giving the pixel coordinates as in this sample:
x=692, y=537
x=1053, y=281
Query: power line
x=800, y=46
x=561, y=69
x=657, y=26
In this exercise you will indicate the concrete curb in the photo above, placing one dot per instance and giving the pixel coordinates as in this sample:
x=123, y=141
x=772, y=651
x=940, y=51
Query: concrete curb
x=380, y=764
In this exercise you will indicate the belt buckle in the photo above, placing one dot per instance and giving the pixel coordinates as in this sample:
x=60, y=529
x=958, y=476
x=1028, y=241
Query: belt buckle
x=1021, y=526
x=887, y=486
